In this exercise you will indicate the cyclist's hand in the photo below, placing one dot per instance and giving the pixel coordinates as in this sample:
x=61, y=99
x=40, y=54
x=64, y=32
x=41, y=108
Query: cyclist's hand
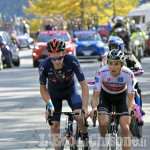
x=51, y=111
x=129, y=110
x=87, y=114
x=92, y=113
x=47, y=112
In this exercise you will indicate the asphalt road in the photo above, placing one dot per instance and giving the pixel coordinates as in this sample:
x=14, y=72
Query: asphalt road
x=22, y=122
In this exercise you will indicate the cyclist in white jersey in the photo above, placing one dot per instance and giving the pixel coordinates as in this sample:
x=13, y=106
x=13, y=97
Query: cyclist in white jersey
x=113, y=84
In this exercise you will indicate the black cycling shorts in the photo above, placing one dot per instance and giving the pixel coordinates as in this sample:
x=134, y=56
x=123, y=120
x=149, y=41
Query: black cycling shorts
x=70, y=94
x=119, y=100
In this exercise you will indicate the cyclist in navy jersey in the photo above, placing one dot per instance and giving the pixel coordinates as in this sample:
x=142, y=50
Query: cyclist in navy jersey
x=112, y=85
x=58, y=70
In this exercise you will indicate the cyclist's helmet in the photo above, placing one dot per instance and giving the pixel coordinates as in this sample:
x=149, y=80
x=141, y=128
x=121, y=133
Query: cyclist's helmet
x=115, y=43
x=55, y=45
x=118, y=30
x=115, y=55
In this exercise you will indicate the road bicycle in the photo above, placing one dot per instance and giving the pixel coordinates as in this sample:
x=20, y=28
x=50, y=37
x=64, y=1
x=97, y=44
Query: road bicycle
x=68, y=135
x=112, y=142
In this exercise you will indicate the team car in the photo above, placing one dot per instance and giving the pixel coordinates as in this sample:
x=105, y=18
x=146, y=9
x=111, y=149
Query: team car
x=39, y=50
x=88, y=44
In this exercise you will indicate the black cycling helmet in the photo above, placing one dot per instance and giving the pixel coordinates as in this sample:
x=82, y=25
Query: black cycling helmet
x=115, y=55
x=55, y=45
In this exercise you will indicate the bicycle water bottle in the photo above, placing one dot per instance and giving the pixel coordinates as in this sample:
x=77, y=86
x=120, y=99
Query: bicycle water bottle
x=137, y=108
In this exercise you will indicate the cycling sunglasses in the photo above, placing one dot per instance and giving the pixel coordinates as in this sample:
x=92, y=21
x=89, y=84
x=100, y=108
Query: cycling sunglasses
x=57, y=58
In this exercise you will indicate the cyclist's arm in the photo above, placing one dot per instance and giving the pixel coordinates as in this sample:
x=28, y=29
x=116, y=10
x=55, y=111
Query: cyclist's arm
x=94, y=101
x=130, y=89
x=96, y=90
x=42, y=79
x=131, y=101
x=44, y=93
x=85, y=94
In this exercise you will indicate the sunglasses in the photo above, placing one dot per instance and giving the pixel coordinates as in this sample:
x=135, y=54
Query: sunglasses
x=57, y=58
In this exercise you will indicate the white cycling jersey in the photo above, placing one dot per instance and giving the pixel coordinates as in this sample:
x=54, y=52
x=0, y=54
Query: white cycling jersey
x=114, y=85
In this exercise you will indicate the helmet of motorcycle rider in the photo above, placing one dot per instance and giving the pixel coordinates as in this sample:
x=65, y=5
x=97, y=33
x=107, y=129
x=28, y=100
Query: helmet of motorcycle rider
x=115, y=55
x=115, y=42
x=118, y=19
x=137, y=28
x=56, y=47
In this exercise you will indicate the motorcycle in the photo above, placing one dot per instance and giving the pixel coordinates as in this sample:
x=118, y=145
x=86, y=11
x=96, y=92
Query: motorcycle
x=138, y=47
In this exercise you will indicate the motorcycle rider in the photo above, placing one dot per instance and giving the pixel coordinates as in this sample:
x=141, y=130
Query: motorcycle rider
x=119, y=24
x=139, y=34
x=131, y=61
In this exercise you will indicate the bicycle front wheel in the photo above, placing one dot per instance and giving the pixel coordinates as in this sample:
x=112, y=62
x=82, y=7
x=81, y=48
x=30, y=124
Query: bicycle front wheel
x=136, y=128
x=112, y=142
x=67, y=143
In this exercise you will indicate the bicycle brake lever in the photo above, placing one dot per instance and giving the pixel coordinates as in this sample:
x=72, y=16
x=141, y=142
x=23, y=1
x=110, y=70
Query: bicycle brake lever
x=49, y=117
x=132, y=112
x=94, y=118
x=84, y=119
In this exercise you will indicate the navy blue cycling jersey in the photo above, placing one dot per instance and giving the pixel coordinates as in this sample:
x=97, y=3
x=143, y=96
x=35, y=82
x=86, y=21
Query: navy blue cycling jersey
x=71, y=66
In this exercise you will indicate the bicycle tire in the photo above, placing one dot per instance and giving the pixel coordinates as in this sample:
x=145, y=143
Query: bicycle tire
x=64, y=139
x=77, y=138
x=136, y=129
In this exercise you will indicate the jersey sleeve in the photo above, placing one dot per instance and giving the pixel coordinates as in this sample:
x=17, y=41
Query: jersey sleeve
x=98, y=81
x=42, y=75
x=130, y=83
x=77, y=70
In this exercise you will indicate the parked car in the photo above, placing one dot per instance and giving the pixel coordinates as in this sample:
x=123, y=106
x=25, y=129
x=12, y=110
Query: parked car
x=102, y=30
x=9, y=50
x=21, y=39
x=88, y=44
x=1, y=61
x=39, y=50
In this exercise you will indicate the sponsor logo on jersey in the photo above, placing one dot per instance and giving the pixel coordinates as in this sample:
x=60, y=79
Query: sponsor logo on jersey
x=120, y=79
x=131, y=75
x=97, y=79
x=67, y=77
x=54, y=80
x=99, y=73
x=108, y=79
x=41, y=70
x=113, y=88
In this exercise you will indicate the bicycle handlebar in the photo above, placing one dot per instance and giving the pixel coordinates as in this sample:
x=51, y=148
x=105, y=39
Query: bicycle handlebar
x=85, y=122
x=68, y=114
x=94, y=118
x=105, y=113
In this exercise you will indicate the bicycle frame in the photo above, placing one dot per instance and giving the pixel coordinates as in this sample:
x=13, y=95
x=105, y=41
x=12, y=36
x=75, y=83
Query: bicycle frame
x=112, y=127
x=68, y=134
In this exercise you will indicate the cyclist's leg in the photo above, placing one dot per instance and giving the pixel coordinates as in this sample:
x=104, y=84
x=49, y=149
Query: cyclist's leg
x=125, y=131
x=121, y=107
x=75, y=102
x=55, y=128
x=103, y=106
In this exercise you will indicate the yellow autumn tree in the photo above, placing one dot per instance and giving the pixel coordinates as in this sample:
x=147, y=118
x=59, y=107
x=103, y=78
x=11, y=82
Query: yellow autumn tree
x=83, y=9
